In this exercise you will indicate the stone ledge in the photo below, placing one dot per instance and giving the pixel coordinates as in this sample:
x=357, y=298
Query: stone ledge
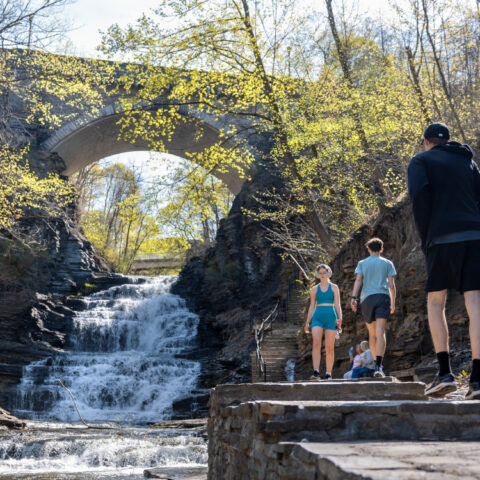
x=362, y=389
x=274, y=421
x=377, y=461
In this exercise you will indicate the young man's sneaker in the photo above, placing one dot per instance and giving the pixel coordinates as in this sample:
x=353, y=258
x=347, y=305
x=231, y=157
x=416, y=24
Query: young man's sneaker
x=327, y=376
x=315, y=375
x=441, y=385
x=473, y=391
x=378, y=372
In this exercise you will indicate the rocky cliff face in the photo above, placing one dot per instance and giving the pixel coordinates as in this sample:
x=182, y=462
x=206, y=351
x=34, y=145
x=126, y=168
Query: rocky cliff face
x=232, y=286
x=409, y=344
x=36, y=288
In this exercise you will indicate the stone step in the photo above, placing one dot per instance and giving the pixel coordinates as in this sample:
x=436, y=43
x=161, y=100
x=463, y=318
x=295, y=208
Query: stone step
x=387, y=388
x=274, y=350
x=330, y=421
x=369, y=460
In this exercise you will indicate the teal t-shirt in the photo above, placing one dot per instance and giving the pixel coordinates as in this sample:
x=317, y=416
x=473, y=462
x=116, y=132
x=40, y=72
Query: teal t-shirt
x=375, y=270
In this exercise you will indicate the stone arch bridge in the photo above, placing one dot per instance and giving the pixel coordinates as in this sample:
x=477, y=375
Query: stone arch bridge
x=91, y=137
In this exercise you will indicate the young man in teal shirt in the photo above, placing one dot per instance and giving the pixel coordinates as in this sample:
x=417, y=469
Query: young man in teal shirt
x=375, y=277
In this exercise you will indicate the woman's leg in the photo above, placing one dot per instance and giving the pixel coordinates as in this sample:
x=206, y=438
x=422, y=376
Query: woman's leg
x=317, y=333
x=330, y=349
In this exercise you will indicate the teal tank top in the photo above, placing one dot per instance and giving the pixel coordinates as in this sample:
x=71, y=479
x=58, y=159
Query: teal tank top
x=325, y=297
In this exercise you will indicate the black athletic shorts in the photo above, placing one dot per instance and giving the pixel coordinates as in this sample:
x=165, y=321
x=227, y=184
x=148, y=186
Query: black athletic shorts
x=376, y=306
x=454, y=266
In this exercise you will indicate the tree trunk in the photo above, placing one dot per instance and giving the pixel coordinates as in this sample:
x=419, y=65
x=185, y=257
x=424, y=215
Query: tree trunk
x=442, y=76
x=416, y=85
x=379, y=197
x=317, y=224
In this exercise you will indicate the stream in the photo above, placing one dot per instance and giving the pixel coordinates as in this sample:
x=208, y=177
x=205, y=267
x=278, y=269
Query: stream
x=128, y=364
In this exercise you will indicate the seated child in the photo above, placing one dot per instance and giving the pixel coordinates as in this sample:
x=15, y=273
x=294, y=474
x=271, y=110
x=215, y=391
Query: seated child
x=357, y=361
x=368, y=363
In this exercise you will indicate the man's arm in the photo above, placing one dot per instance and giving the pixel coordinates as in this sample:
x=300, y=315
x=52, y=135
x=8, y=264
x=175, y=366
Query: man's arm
x=476, y=182
x=393, y=292
x=420, y=195
x=356, y=290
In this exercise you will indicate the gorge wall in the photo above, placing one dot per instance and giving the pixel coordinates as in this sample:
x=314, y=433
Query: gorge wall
x=409, y=343
x=37, y=294
x=242, y=278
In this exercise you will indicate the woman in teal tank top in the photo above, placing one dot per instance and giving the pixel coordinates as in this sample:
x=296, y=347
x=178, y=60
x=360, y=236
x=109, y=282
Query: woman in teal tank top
x=324, y=316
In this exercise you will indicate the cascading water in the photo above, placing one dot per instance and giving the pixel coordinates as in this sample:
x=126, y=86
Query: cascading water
x=125, y=363
x=127, y=367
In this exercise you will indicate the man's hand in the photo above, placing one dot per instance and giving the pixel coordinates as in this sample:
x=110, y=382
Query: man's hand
x=353, y=305
x=392, y=309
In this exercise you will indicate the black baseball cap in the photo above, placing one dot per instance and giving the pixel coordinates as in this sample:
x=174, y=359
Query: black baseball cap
x=437, y=130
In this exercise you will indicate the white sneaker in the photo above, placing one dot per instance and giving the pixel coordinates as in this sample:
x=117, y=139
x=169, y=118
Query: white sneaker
x=378, y=372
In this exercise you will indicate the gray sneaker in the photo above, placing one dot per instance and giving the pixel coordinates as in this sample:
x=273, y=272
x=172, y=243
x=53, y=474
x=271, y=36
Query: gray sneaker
x=473, y=391
x=379, y=372
x=441, y=385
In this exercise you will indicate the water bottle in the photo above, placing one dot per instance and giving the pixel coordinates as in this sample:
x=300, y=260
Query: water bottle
x=339, y=331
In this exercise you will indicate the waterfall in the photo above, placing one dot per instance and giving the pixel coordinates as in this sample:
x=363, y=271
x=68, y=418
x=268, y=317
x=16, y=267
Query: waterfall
x=129, y=359
x=75, y=453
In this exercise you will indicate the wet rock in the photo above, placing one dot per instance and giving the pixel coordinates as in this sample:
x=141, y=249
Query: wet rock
x=8, y=421
x=177, y=473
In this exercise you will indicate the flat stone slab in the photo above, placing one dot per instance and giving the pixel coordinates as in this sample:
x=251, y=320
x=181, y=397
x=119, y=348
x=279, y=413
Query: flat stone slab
x=177, y=473
x=362, y=389
x=331, y=421
x=379, y=461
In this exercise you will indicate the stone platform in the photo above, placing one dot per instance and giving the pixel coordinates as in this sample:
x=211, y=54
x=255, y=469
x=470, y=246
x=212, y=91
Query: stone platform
x=387, y=388
x=268, y=431
x=375, y=461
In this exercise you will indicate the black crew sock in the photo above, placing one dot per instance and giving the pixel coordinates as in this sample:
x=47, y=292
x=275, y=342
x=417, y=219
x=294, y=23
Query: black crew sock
x=443, y=363
x=379, y=361
x=475, y=375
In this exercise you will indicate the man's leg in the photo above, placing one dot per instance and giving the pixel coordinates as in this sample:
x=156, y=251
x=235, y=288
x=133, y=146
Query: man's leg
x=437, y=321
x=372, y=337
x=381, y=324
x=472, y=303
x=444, y=382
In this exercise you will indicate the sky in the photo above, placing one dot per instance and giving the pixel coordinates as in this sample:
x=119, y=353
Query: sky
x=89, y=17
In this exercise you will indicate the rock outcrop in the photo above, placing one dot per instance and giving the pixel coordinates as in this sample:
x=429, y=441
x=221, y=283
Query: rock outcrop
x=9, y=422
x=231, y=287
x=37, y=290
x=409, y=345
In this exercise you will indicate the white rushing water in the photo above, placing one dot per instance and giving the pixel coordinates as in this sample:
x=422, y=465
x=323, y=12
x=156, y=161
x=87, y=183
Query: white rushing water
x=126, y=369
x=126, y=365
x=61, y=452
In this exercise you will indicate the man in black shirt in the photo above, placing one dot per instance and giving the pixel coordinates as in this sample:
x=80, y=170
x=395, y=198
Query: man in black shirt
x=444, y=186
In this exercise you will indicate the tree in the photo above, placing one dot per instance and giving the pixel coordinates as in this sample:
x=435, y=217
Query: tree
x=31, y=82
x=230, y=66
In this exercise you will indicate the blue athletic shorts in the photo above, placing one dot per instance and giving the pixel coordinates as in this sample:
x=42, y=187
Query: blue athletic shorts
x=325, y=317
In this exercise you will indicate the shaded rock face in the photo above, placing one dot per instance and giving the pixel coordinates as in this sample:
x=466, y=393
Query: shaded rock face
x=409, y=342
x=232, y=286
x=37, y=291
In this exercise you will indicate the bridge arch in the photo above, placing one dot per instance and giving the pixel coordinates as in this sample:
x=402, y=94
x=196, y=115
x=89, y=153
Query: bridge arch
x=87, y=140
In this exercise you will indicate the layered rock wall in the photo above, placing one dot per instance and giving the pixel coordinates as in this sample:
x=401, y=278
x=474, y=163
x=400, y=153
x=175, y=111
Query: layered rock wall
x=409, y=344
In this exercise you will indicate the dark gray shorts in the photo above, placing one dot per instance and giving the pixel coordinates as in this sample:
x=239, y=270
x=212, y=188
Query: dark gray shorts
x=376, y=306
